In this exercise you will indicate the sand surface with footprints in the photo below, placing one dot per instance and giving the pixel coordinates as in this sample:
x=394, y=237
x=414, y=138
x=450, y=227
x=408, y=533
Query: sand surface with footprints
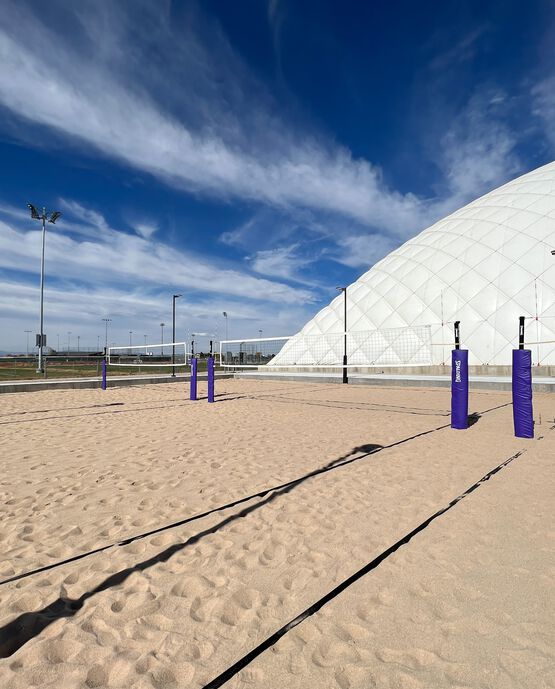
x=95, y=592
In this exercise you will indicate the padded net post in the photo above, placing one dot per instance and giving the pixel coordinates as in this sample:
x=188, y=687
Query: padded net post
x=210, y=378
x=523, y=414
x=459, y=388
x=193, y=386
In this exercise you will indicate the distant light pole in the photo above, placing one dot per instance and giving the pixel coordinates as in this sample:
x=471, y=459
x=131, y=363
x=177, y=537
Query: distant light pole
x=224, y=314
x=28, y=331
x=162, y=340
x=145, y=342
x=130, y=338
x=174, y=297
x=51, y=217
x=344, y=290
x=260, y=333
x=78, y=339
x=106, y=321
x=98, y=343
x=68, y=340
x=58, y=343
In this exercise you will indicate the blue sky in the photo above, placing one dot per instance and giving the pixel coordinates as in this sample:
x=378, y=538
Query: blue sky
x=250, y=155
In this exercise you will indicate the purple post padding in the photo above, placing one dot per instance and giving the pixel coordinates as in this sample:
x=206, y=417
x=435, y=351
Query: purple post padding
x=523, y=414
x=104, y=374
x=193, y=395
x=210, y=378
x=459, y=388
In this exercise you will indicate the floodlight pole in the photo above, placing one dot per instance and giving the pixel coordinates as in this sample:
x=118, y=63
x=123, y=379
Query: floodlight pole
x=224, y=314
x=344, y=290
x=174, y=297
x=162, y=326
x=52, y=219
x=39, y=367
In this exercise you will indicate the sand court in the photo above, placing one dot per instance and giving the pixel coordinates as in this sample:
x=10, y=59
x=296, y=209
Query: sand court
x=362, y=467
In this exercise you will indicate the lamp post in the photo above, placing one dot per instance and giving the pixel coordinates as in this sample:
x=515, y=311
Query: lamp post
x=260, y=333
x=224, y=314
x=174, y=297
x=68, y=339
x=344, y=290
x=162, y=340
x=28, y=331
x=106, y=321
x=51, y=217
x=145, y=342
x=98, y=343
x=130, y=338
x=78, y=340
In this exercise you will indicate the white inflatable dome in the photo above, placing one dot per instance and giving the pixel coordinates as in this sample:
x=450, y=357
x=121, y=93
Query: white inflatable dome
x=485, y=265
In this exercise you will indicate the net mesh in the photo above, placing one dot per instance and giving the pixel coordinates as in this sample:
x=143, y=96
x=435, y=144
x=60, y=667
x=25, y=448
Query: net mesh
x=158, y=355
x=242, y=353
x=392, y=347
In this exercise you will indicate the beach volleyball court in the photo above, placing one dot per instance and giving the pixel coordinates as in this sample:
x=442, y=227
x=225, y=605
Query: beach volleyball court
x=150, y=541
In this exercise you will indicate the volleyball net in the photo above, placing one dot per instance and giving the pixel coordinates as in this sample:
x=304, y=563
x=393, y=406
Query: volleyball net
x=410, y=346
x=153, y=355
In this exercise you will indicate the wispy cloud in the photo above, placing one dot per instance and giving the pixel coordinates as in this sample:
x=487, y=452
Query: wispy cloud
x=283, y=262
x=112, y=256
x=84, y=99
x=479, y=149
x=543, y=106
x=80, y=309
x=145, y=229
x=363, y=250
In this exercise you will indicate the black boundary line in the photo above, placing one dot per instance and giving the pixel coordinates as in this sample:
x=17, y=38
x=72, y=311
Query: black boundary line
x=336, y=464
x=119, y=404
x=234, y=669
x=343, y=461
x=184, y=401
x=359, y=406
x=45, y=411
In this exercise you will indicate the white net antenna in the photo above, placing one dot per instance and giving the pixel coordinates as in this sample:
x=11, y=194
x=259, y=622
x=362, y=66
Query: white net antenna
x=154, y=355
